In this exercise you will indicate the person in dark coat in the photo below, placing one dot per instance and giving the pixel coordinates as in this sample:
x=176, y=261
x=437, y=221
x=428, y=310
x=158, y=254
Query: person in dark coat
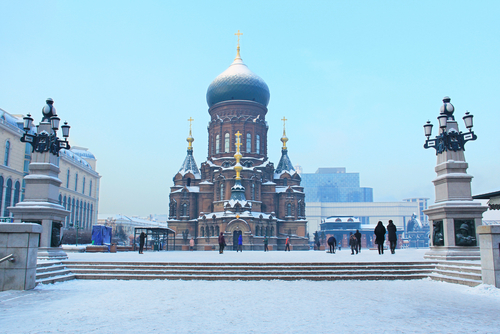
x=380, y=237
x=142, y=239
x=266, y=242
x=393, y=238
x=358, y=238
x=353, y=242
x=332, y=243
x=222, y=243
x=240, y=244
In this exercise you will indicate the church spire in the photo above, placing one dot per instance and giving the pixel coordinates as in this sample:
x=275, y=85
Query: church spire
x=285, y=164
x=189, y=164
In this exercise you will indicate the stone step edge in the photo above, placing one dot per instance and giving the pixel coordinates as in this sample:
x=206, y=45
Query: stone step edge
x=54, y=279
x=285, y=278
x=455, y=280
x=52, y=273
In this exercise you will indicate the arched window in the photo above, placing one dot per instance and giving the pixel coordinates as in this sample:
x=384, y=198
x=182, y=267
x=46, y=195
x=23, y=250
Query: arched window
x=285, y=182
x=257, y=144
x=222, y=191
x=211, y=231
x=90, y=188
x=77, y=205
x=91, y=214
x=249, y=142
x=17, y=192
x=83, y=188
x=67, y=179
x=289, y=209
x=272, y=231
x=202, y=231
x=188, y=181
x=84, y=214
x=253, y=191
x=82, y=221
x=60, y=199
x=217, y=231
x=7, y=152
x=267, y=231
x=299, y=210
x=217, y=144
x=1, y=192
x=8, y=198
x=64, y=206
x=76, y=182
x=257, y=230
x=226, y=143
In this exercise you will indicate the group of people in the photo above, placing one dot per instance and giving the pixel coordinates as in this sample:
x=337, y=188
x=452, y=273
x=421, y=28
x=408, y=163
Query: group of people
x=380, y=232
x=355, y=242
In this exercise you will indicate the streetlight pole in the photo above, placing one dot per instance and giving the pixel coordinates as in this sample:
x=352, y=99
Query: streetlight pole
x=454, y=216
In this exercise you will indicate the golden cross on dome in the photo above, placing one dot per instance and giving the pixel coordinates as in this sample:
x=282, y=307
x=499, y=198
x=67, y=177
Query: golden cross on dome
x=239, y=34
x=190, y=120
x=238, y=143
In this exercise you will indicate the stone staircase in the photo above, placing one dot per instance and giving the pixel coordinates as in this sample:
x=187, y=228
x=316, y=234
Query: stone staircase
x=250, y=271
x=458, y=272
x=48, y=272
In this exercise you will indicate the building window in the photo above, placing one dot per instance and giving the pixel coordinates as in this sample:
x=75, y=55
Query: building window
x=202, y=231
x=90, y=188
x=285, y=182
x=76, y=182
x=67, y=179
x=289, y=209
x=222, y=191
x=249, y=142
x=217, y=144
x=226, y=143
x=7, y=152
x=83, y=187
x=17, y=192
x=184, y=209
x=72, y=203
x=8, y=198
x=253, y=191
x=257, y=144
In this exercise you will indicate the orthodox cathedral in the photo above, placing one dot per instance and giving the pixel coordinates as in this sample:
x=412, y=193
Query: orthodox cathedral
x=237, y=190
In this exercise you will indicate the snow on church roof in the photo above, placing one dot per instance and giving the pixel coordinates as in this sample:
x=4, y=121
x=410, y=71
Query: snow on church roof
x=189, y=166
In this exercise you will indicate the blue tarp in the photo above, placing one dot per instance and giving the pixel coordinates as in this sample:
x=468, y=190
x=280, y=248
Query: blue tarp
x=101, y=235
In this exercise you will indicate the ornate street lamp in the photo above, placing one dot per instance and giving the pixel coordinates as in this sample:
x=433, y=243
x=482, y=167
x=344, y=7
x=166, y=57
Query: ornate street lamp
x=450, y=139
x=44, y=141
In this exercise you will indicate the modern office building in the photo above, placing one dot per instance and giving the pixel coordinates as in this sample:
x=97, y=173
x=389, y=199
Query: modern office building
x=334, y=185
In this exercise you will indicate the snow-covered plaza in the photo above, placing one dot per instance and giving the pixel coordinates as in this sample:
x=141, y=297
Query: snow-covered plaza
x=175, y=306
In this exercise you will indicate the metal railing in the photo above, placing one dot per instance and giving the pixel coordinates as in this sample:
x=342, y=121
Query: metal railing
x=8, y=257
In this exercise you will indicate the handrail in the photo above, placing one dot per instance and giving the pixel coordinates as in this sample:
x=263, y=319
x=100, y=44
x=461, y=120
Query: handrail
x=8, y=257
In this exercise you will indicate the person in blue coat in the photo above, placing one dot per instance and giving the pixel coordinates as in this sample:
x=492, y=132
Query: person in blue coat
x=240, y=244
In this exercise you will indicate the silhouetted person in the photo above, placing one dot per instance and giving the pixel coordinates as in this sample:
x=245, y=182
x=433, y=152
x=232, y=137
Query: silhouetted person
x=353, y=242
x=393, y=237
x=222, y=243
x=380, y=237
x=142, y=239
x=266, y=242
x=358, y=238
x=332, y=243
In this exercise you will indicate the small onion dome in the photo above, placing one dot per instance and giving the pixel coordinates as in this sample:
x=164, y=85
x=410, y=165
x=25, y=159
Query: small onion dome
x=238, y=83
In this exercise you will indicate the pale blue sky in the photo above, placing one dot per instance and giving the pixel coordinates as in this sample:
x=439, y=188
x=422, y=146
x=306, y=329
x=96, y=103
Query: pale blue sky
x=356, y=80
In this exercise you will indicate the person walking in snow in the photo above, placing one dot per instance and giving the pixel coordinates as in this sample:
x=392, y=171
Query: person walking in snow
x=380, y=237
x=266, y=242
x=191, y=244
x=358, y=238
x=222, y=243
x=332, y=243
x=287, y=244
x=393, y=237
x=240, y=244
x=353, y=242
x=142, y=239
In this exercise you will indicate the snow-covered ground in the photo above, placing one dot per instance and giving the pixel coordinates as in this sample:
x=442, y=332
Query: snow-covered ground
x=161, y=306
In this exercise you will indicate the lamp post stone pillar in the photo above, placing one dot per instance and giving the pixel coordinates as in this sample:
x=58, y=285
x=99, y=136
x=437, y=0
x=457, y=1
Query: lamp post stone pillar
x=455, y=215
x=41, y=199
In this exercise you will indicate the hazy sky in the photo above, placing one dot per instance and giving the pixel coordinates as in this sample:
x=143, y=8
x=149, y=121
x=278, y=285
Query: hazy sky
x=356, y=80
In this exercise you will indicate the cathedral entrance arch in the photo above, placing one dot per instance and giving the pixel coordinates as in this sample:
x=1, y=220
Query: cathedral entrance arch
x=236, y=228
